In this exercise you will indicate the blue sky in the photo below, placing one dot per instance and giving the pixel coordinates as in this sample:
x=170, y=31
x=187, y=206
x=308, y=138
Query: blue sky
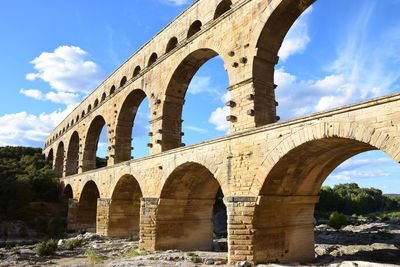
x=53, y=53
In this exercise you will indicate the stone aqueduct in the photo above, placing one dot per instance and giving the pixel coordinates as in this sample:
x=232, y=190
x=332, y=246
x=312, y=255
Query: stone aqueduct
x=270, y=173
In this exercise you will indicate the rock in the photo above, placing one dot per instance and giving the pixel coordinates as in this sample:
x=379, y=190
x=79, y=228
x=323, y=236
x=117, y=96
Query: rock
x=209, y=261
x=60, y=242
x=244, y=264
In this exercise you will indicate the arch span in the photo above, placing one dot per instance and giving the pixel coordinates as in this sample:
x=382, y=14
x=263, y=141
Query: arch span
x=91, y=143
x=72, y=163
x=87, y=208
x=124, y=214
x=59, y=160
x=124, y=127
x=175, y=96
x=303, y=161
x=186, y=203
x=67, y=193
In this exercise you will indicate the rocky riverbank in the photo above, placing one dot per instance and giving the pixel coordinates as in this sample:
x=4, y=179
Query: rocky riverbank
x=368, y=244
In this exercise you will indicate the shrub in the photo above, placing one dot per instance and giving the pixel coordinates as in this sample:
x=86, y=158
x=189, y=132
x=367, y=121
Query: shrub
x=93, y=257
x=46, y=248
x=71, y=244
x=337, y=220
x=135, y=251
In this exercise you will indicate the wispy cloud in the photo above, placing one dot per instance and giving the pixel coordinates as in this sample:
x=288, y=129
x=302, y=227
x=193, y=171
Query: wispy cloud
x=177, y=2
x=361, y=70
x=356, y=174
x=56, y=97
x=202, y=84
x=196, y=129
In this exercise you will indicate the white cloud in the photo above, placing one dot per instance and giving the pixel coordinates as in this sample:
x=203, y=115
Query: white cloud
x=201, y=84
x=66, y=70
x=33, y=93
x=297, y=38
x=63, y=97
x=350, y=175
x=56, y=97
x=352, y=163
x=218, y=118
x=177, y=2
x=196, y=129
x=27, y=129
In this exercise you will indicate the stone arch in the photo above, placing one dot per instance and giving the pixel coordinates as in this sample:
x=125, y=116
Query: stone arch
x=295, y=170
x=175, y=96
x=77, y=118
x=223, y=6
x=186, y=203
x=137, y=70
x=87, y=207
x=50, y=156
x=124, y=214
x=123, y=81
x=89, y=108
x=96, y=103
x=194, y=28
x=83, y=114
x=172, y=43
x=72, y=162
x=59, y=160
x=152, y=59
x=67, y=194
x=91, y=143
x=103, y=96
x=126, y=116
x=112, y=90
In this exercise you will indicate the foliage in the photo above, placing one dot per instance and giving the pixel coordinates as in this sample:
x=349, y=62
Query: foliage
x=351, y=199
x=193, y=257
x=72, y=244
x=337, y=220
x=46, y=248
x=25, y=176
x=388, y=215
x=93, y=257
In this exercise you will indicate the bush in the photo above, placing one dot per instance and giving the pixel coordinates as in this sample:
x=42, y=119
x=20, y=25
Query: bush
x=46, y=248
x=93, y=257
x=72, y=244
x=337, y=220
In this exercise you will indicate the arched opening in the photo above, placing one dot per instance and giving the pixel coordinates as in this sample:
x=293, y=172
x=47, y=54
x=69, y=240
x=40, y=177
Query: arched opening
x=283, y=220
x=96, y=103
x=59, y=162
x=186, y=203
x=67, y=194
x=194, y=28
x=83, y=114
x=50, y=156
x=96, y=128
x=125, y=208
x=130, y=115
x=202, y=91
x=89, y=108
x=171, y=44
x=87, y=208
x=222, y=7
x=123, y=82
x=136, y=71
x=152, y=59
x=72, y=163
x=77, y=118
x=112, y=90
x=103, y=97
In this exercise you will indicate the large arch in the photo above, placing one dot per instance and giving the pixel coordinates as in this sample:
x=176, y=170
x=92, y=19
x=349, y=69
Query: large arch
x=72, y=162
x=59, y=160
x=186, y=203
x=91, y=143
x=87, y=207
x=50, y=157
x=124, y=213
x=67, y=194
x=175, y=96
x=283, y=217
x=124, y=126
